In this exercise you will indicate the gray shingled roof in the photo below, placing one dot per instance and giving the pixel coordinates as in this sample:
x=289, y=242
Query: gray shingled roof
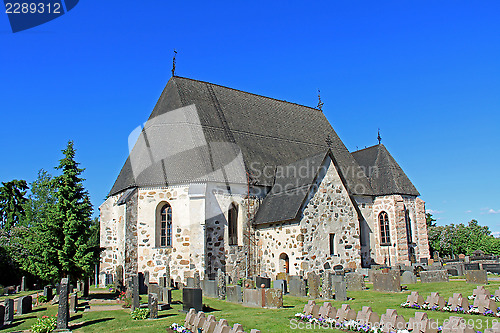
x=385, y=174
x=293, y=184
x=200, y=131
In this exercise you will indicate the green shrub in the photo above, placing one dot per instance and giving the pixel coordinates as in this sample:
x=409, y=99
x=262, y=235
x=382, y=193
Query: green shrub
x=139, y=314
x=240, y=282
x=41, y=299
x=45, y=324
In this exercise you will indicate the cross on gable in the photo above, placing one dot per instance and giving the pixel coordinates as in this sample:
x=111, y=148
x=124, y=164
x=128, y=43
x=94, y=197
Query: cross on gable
x=329, y=141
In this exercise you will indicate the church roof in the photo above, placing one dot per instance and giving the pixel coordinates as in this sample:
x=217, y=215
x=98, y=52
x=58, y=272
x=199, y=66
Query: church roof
x=199, y=131
x=385, y=175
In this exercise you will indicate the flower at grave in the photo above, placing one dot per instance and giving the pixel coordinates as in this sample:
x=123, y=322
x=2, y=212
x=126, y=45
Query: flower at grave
x=471, y=297
x=440, y=328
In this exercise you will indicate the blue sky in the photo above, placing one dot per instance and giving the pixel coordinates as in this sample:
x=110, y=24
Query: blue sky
x=427, y=73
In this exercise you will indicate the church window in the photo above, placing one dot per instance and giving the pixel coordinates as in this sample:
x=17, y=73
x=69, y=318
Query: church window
x=385, y=236
x=232, y=224
x=165, y=226
x=332, y=244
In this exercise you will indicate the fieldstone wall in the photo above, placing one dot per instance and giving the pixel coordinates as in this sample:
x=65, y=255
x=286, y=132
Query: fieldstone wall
x=112, y=234
x=366, y=227
x=330, y=211
x=421, y=223
x=131, y=264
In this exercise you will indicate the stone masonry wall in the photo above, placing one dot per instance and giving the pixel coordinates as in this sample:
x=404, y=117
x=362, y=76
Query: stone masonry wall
x=423, y=240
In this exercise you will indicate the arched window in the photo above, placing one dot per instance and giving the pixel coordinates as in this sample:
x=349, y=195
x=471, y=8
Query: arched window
x=164, y=228
x=385, y=235
x=409, y=234
x=232, y=224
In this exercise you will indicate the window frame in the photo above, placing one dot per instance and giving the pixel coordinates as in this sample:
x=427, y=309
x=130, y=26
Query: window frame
x=164, y=226
x=232, y=224
x=385, y=228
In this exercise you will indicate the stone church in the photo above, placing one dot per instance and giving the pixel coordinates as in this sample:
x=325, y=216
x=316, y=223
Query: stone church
x=222, y=178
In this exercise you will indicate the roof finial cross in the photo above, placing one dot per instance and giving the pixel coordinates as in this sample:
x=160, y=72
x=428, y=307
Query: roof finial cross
x=173, y=62
x=379, y=138
x=320, y=103
x=329, y=141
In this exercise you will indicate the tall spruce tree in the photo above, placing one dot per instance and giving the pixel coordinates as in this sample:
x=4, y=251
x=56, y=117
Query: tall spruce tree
x=11, y=203
x=72, y=215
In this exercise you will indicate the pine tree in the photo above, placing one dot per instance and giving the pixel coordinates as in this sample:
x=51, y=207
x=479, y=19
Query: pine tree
x=11, y=203
x=72, y=215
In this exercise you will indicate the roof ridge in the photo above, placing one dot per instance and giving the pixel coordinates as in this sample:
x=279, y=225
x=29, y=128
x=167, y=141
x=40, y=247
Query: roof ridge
x=356, y=151
x=246, y=92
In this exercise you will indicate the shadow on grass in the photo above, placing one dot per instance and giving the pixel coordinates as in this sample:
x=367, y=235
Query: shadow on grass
x=165, y=315
x=288, y=306
x=39, y=309
x=102, y=296
x=207, y=308
x=12, y=325
x=75, y=317
x=90, y=322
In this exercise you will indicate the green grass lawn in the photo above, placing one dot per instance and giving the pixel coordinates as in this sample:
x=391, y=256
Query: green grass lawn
x=264, y=319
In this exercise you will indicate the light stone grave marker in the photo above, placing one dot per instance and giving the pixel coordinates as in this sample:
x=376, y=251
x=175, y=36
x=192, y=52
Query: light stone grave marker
x=345, y=313
x=422, y=324
x=435, y=300
x=483, y=303
x=313, y=283
x=458, y=301
x=408, y=278
x=355, y=281
x=457, y=325
x=415, y=299
x=327, y=311
x=477, y=276
x=153, y=305
x=391, y=321
x=434, y=276
x=367, y=317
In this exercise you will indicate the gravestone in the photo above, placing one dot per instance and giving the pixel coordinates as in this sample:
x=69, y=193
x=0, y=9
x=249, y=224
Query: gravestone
x=222, y=326
x=273, y=298
x=189, y=320
x=2, y=315
x=190, y=282
x=154, y=288
x=435, y=300
x=415, y=299
x=390, y=321
x=58, y=288
x=153, y=305
x=495, y=328
x=340, y=287
x=9, y=311
x=345, y=313
x=477, y=276
x=456, y=268
x=165, y=295
x=327, y=311
x=313, y=283
x=167, y=276
x=367, y=317
x=280, y=284
x=63, y=309
x=327, y=286
x=434, y=276
x=355, y=281
x=162, y=282
x=248, y=283
x=408, y=278
x=86, y=287
x=253, y=297
x=424, y=261
x=422, y=324
x=143, y=288
x=209, y=288
x=47, y=292
x=221, y=284
x=196, y=280
x=472, y=266
x=387, y=282
x=119, y=277
x=309, y=307
x=483, y=303
x=457, y=325
x=234, y=294
x=192, y=298
x=458, y=301
x=297, y=287
x=492, y=268
x=481, y=290
x=135, y=291
x=209, y=324
x=259, y=281
x=23, y=283
x=24, y=305
x=73, y=302
x=199, y=320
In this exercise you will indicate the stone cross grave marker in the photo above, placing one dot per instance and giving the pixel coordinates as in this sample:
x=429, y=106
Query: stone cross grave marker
x=483, y=303
x=327, y=311
x=345, y=313
x=308, y=308
x=415, y=299
x=209, y=324
x=190, y=315
x=458, y=301
x=391, y=321
x=367, y=317
x=480, y=290
x=435, y=300
x=222, y=326
x=422, y=324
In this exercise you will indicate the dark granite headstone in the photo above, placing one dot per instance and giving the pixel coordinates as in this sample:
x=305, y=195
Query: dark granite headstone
x=24, y=305
x=492, y=268
x=86, y=287
x=297, y=287
x=192, y=298
x=153, y=305
x=472, y=267
x=259, y=281
x=135, y=291
x=143, y=288
x=58, y=288
x=47, y=292
x=234, y=294
x=63, y=310
x=9, y=311
x=2, y=315
x=119, y=276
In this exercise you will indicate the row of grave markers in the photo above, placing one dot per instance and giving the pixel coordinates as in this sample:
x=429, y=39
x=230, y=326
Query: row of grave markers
x=197, y=322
